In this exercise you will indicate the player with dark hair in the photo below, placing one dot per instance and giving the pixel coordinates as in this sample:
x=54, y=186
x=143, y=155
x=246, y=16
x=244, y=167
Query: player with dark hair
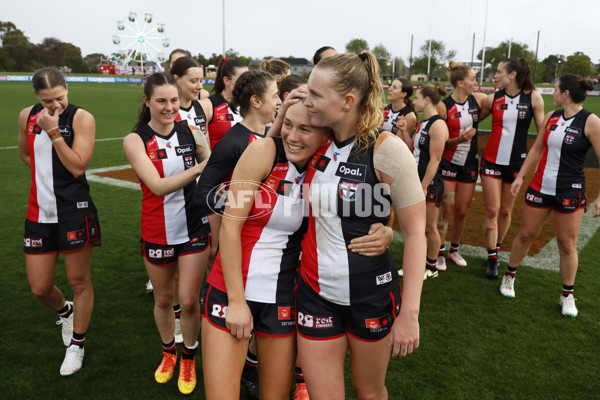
x=323, y=52
x=512, y=108
x=167, y=157
x=427, y=146
x=56, y=140
x=399, y=94
x=558, y=184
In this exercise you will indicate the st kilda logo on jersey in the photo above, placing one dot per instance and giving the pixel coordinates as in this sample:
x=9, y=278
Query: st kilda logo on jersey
x=347, y=190
x=188, y=161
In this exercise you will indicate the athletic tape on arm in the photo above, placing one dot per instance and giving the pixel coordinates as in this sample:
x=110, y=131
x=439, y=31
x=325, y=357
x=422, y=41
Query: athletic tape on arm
x=393, y=158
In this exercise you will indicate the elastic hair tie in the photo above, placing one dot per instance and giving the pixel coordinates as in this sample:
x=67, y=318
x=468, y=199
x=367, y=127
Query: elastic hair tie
x=362, y=56
x=224, y=59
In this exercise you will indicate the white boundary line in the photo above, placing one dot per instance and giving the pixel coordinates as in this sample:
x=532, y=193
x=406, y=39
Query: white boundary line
x=548, y=256
x=91, y=176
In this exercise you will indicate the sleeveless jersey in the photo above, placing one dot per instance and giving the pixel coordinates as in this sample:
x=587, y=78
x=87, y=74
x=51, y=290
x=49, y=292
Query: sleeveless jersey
x=390, y=117
x=459, y=117
x=169, y=219
x=560, y=169
x=219, y=168
x=223, y=119
x=511, y=117
x=55, y=195
x=421, y=143
x=271, y=236
x=193, y=115
x=345, y=198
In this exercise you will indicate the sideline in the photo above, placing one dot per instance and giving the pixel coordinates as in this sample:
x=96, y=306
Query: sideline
x=91, y=176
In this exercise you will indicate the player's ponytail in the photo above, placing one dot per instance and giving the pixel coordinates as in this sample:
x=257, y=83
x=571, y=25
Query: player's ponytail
x=576, y=85
x=407, y=87
x=359, y=74
x=227, y=68
x=154, y=80
x=524, y=77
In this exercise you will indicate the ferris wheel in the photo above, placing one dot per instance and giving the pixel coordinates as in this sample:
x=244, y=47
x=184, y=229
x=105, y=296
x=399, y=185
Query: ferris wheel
x=141, y=40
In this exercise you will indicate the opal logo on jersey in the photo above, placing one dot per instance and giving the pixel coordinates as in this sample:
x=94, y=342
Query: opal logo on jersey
x=199, y=121
x=573, y=131
x=523, y=107
x=352, y=171
x=184, y=150
x=64, y=131
x=219, y=311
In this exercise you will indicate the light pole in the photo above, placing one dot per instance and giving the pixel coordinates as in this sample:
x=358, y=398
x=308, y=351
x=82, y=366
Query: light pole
x=556, y=69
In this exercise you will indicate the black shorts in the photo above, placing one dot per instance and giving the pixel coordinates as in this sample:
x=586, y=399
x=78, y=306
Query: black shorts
x=435, y=191
x=319, y=319
x=63, y=237
x=566, y=203
x=507, y=173
x=166, y=254
x=273, y=320
x=460, y=173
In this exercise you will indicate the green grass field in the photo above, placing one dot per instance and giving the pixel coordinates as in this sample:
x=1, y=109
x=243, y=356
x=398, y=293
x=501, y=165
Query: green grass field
x=475, y=344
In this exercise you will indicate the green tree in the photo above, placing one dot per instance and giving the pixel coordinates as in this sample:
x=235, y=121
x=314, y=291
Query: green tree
x=578, y=63
x=439, y=58
x=18, y=51
x=383, y=57
x=357, y=46
x=93, y=61
x=553, y=64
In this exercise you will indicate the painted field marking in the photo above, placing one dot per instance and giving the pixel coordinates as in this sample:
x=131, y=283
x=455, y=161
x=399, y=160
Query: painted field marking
x=97, y=140
x=91, y=176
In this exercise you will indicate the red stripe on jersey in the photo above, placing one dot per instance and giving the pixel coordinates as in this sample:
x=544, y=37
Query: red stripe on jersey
x=33, y=211
x=453, y=123
x=491, y=149
x=536, y=182
x=153, y=206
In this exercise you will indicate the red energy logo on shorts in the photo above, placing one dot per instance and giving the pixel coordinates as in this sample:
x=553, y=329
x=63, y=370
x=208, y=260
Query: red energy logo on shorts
x=372, y=323
x=285, y=312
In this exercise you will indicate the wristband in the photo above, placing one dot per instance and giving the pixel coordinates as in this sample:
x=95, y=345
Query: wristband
x=54, y=133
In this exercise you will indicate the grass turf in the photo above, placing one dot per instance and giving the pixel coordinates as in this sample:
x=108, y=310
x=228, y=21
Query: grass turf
x=474, y=342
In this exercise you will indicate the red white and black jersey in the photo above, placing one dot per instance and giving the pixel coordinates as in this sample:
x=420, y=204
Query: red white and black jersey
x=460, y=117
x=55, y=195
x=345, y=198
x=560, y=169
x=511, y=117
x=170, y=219
x=219, y=168
x=421, y=143
x=223, y=119
x=390, y=117
x=271, y=235
x=193, y=115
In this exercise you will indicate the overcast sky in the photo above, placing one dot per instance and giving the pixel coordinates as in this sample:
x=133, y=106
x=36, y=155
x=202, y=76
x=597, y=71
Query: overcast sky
x=282, y=28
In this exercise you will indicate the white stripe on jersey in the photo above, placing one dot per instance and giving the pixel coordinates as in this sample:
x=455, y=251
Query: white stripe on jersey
x=509, y=127
x=555, y=144
x=417, y=148
x=44, y=179
x=333, y=267
x=175, y=215
x=265, y=259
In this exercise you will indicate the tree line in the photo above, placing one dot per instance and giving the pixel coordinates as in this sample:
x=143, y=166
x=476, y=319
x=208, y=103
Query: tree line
x=18, y=54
